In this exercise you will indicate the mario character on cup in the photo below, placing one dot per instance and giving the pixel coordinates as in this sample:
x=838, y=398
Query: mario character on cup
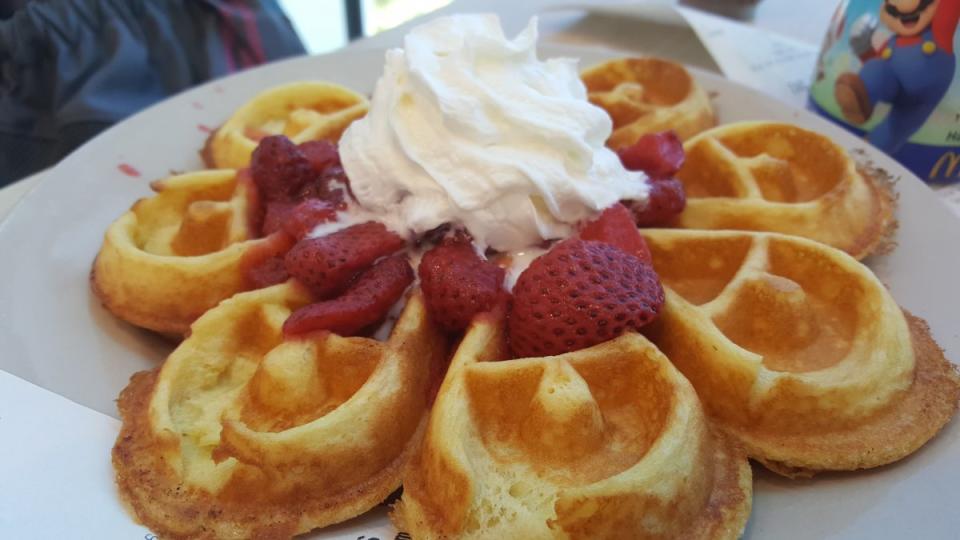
x=911, y=71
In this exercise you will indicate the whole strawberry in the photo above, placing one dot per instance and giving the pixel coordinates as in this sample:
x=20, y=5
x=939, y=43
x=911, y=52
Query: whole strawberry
x=457, y=284
x=579, y=294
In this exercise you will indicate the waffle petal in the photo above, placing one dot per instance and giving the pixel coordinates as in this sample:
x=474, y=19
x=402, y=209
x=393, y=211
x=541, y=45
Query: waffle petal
x=763, y=176
x=647, y=95
x=175, y=255
x=606, y=442
x=798, y=351
x=303, y=111
x=242, y=434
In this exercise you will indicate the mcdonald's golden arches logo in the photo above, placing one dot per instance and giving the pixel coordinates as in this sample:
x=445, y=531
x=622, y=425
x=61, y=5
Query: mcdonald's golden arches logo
x=950, y=161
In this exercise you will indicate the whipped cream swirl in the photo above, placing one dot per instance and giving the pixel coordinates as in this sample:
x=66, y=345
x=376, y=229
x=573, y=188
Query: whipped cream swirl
x=470, y=128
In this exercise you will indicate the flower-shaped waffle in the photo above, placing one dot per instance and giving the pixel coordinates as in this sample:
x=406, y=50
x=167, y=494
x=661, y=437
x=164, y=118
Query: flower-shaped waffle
x=244, y=434
x=798, y=350
x=763, y=176
x=647, y=95
x=267, y=421
x=175, y=255
x=303, y=111
x=599, y=443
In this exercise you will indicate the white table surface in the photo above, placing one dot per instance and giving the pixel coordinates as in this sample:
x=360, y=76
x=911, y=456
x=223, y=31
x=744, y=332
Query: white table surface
x=566, y=21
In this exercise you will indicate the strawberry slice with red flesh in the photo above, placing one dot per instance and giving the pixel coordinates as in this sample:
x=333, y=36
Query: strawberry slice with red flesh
x=331, y=183
x=457, y=284
x=615, y=226
x=297, y=219
x=579, y=294
x=274, y=215
x=321, y=154
x=328, y=263
x=283, y=225
x=263, y=264
x=305, y=216
x=365, y=302
x=331, y=186
x=659, y=155
x=268, y=272
x=286, y=175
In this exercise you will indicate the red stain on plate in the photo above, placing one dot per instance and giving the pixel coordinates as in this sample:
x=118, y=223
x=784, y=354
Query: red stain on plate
x=218, y=89
x=129, y=170
x=197, y=105
x=205, y=128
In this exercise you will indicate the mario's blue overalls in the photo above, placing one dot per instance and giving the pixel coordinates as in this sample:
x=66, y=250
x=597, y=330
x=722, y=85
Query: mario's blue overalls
x=913, y=79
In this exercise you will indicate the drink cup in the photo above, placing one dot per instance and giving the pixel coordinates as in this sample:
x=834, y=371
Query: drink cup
x=887, y=71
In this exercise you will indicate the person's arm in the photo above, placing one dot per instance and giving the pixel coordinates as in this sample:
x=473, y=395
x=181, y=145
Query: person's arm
x=945, y=23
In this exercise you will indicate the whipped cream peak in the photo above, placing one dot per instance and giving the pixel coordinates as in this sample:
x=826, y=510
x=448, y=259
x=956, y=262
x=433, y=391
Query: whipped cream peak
x=470, y=128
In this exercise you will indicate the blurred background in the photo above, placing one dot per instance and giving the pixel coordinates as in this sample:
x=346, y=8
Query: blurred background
x=326, y=25
x=71, y=68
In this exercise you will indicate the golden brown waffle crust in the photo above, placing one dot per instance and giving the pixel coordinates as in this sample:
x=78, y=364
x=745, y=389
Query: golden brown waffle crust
x=646, y=95
x=878, y=239
x=724, y=517
x=901, y=429
x=730, y=186
x=273, y=495
x=325, y=110
x=450, y=485
x=799, y=351
x=131, y=311
x=145, y=482
x=155, y=285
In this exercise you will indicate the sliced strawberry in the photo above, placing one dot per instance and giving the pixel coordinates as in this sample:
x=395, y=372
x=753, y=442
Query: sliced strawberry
x=263, y=264
x=286, y=174
x=279, y=169
x=615, y=226
x=457, y=284
x=268, y=272
x=665, y=201
x=657, y=154
x=328, y=263
x=305, y=216
x=579, y=294
x=320, y=154
x=366, y=302
x=331, y=186
x=274, y=215
x=297, y=219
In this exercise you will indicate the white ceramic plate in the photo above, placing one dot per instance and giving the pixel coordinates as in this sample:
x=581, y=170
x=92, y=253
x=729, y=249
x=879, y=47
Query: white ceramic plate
x=54, y=333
